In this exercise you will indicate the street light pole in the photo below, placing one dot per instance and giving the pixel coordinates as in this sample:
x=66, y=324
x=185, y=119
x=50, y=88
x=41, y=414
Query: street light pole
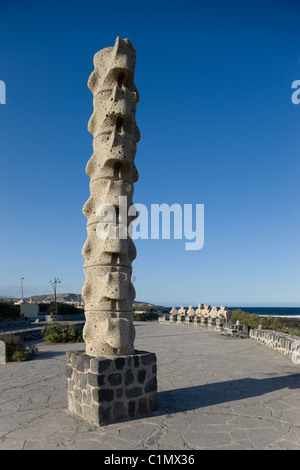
x=54, y=284
x=22, y=289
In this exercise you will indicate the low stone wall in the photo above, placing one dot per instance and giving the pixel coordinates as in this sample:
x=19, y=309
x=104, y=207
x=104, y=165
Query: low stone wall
x=73, y=317
x=223, y=326
x=29, y=334
x=13, y=323
x=284, y=343
x=35, y=332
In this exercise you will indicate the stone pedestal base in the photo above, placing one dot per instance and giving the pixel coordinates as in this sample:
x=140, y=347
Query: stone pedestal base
x=211, y=323
x=219, y=324
x=106, y=390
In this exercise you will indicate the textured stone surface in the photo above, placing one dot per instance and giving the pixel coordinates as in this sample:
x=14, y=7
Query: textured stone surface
x=191, y=311
x=219, y=323
x=104, y=391
x=2, y=352
x=108, y=291
x=181, y=311
x=286, y=344
x=111, y=381
x=214, y=392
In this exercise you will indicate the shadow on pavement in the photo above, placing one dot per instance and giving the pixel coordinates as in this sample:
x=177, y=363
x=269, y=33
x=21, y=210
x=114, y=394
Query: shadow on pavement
x=41, y=355
x=184, y=399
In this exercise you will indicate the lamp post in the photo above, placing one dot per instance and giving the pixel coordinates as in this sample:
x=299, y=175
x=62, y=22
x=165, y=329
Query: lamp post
x=54, y=284
x=22, y=289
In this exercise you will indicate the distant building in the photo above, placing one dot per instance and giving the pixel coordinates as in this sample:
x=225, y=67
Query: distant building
x=29, y=310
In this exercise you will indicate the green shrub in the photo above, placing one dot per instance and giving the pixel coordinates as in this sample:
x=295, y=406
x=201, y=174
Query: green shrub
x=144, y=316
x=271, y=323
x=294, y=331
x=25, y=354
x=252, y=320
x=57, y=333
x=249, y=319
x=15, y=350
x=64, y=309
x=139, y=317
x=8, y=310
x=43, y=307
x=152, y=316
x=142, y=308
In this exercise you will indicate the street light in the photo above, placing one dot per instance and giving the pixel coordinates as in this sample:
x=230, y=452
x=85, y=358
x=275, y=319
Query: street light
x=22, y=289
x=54, y=284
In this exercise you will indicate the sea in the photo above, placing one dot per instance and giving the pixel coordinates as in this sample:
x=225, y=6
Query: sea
x=292, y=312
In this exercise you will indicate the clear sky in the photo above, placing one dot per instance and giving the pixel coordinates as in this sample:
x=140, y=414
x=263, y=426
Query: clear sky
x=218, y=128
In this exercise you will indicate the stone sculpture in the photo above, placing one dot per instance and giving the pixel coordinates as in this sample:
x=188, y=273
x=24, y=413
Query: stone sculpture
x=108, y=291
x=213, y=312
x=111, y=381
x=206, y=311
x=181, y=311
x=224, y=313
x=199, y=309
x=191, y=311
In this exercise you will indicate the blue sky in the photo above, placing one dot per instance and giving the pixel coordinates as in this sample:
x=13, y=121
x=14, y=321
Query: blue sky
x=218, y=128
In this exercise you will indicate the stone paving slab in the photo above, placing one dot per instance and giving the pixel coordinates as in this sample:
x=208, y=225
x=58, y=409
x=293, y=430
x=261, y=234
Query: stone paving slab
x=214, y=393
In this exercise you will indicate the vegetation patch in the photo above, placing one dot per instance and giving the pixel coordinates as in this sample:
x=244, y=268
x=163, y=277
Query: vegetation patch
x=252, y=320
x=61, y=333
x=144, y=316
x=8, y=310
x=15, y=350
x=60, y=308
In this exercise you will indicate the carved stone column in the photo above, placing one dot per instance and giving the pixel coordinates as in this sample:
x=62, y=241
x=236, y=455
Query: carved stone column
x=108, y=292
x=111, y=381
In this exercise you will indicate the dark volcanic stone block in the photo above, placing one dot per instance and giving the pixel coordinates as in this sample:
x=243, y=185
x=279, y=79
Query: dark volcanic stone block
x=106, y=390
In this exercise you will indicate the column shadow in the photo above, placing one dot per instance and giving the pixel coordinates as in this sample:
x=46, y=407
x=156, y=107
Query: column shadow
x=199, y=396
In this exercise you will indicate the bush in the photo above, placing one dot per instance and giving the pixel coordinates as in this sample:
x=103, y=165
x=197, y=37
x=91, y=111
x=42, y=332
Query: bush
x=15, y=350
x=144, y=316
x=57, y=333
x=44, y=307
x=143, y=308
x=64, y=309
x=294, y=331
x=139, y=317
x=152, y=316
x=252, y=320
x=8, y=310
x=271, y=323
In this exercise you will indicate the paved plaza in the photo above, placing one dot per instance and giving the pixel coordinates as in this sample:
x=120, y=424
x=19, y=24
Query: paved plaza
x=215, y=392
